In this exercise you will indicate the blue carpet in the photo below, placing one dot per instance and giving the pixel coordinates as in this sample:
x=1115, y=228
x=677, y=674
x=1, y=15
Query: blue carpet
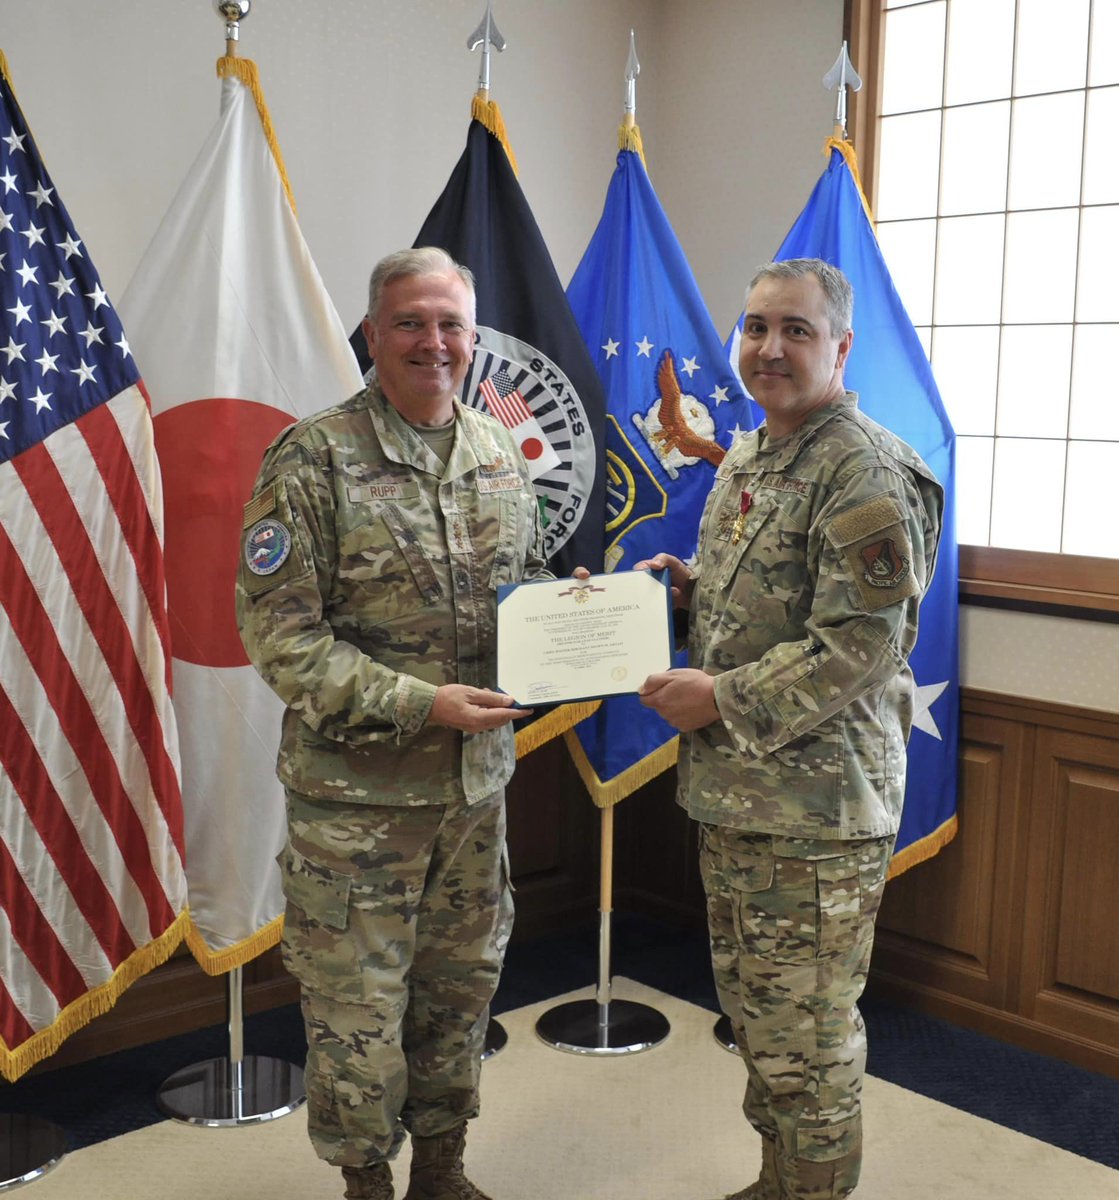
x=1039, y=1096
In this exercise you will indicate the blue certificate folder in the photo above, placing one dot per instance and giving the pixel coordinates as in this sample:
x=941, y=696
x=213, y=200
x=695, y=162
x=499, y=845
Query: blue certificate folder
x=563, y=640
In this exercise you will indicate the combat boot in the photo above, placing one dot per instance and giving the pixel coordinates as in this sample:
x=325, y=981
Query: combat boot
x=369, y=1183
x=766, y=1186
x=437, y=1168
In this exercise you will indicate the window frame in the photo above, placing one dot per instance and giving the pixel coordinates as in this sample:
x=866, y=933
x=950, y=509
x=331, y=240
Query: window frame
x=1068, y=584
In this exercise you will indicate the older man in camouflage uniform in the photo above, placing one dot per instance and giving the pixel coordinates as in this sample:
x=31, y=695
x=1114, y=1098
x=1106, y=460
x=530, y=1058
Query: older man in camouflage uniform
x=375, y=539
x=816, y=545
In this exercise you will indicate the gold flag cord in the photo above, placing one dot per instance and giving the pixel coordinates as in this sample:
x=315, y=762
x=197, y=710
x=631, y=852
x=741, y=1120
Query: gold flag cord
x=244, y=70
x=488, y=114
x=629, y=138
x=848, y=151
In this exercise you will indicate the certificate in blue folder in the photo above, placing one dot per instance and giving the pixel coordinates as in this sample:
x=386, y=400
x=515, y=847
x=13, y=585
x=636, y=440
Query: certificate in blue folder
x=561, y=640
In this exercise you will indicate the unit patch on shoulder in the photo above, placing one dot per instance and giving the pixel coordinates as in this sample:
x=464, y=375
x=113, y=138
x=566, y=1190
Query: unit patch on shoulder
x=884, y=565
x=874, y=542
x=267, y=546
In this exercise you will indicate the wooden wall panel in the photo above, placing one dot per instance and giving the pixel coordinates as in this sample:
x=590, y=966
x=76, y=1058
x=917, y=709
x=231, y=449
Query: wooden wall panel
x=1034, y=959
x=942, y=923
x=1070, y=960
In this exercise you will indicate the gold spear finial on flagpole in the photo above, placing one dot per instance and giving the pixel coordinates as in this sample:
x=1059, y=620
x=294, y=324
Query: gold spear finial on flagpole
x=233, y=11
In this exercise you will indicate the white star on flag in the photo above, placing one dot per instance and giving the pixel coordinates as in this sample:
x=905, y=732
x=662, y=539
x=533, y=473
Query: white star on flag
x=719, y=395
x=643, y=346
x=690, y=366
x=611, y=348
x=923, y=702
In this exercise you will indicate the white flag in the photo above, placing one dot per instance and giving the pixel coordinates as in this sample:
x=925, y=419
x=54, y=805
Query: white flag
x=239, y=338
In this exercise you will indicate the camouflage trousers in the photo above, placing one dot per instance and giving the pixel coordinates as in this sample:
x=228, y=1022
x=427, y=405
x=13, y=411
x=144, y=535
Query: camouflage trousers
x=396, y=925
x=791, y=922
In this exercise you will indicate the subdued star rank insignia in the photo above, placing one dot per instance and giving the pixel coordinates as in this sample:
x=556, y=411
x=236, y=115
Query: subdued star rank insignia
x=885, y=567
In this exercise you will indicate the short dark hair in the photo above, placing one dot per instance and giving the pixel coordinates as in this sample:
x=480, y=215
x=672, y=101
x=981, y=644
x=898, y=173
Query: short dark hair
x=838, y=293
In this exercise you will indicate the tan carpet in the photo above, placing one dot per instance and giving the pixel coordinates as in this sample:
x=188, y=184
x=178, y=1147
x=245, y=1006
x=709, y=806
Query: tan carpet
x=665, y=1124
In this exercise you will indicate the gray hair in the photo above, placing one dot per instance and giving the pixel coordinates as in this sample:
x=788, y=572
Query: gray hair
x=839, y=296
x=420, y=260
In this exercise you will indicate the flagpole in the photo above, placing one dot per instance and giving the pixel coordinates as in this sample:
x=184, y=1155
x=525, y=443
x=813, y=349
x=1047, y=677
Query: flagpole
x=234, y=1090
x=604, y=1025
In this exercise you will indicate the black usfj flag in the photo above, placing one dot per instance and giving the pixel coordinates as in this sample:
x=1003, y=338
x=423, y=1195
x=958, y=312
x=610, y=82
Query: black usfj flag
x=529, y=347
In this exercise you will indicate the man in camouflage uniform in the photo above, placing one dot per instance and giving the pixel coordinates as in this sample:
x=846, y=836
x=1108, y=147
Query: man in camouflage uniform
x=817, y=543
x=374, y=541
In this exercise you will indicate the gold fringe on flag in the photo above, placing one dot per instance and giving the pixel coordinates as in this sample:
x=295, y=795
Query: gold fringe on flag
x=94, y=1003
x=487, y=112
x=219, y=962
x=848, y=151
x=558, y=721
x=244, y=69
x=606, y=795
x=629, y=138
x=4, y=71
x=916, y=852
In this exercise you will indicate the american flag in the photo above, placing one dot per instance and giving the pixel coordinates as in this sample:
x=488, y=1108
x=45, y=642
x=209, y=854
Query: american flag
x=92, y=892
x=503, y=400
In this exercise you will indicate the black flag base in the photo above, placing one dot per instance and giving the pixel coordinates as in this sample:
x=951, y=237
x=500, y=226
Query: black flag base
x=724, y=1034
x=613, y=1027
x=29, y=1148
x=496, y=1037
x=233, y=1091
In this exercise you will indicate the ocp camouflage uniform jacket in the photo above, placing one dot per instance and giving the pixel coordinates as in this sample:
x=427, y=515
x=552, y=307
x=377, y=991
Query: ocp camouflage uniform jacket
x=806, y=620
x=388, y=591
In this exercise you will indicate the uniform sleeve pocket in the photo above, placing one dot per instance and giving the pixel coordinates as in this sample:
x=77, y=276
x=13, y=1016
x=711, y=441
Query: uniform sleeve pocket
x=873, y=541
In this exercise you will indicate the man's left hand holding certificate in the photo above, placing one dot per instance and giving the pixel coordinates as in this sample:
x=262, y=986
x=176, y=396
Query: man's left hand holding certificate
x=561, y=640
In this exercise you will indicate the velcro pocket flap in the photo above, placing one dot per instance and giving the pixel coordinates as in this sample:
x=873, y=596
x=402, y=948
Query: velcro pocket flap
x=864, y=520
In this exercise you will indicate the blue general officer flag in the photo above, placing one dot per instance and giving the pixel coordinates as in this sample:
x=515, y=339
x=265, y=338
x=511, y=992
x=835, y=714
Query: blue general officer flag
x=891, y=373
x=673, y=406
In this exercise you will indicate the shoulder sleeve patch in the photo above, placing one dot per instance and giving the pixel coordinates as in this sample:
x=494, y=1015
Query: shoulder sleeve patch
x=873, y=540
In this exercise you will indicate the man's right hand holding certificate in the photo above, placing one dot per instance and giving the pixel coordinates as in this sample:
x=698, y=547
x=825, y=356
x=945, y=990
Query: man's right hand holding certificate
x=684, y=697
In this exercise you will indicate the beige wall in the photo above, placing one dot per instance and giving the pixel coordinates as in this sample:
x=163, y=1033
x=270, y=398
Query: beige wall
x=371, y=99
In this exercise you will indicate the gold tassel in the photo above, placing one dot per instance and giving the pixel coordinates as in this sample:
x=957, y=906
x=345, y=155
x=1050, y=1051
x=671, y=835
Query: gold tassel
x=94, y=1003
x=925, y=848
x=606, y=795
x=219, y=962
x=244, y=69
x=488, y=114
x=629, y=138
x=848, y=151
x=558, y=721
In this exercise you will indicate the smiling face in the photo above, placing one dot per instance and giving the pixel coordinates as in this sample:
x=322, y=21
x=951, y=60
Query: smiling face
x=422, y=341
x=791, y=361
